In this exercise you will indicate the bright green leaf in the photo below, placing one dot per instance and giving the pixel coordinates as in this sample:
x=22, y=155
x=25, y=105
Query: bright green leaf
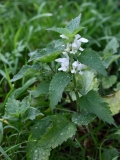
x=1, y=132
x=57, y=86
x=91, y=58
x=110, y=154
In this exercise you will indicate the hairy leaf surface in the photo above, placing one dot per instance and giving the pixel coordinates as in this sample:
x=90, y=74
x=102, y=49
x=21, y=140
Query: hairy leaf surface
x=95, y=104
x=57, y=86
x=91, y=58
x=48, y=134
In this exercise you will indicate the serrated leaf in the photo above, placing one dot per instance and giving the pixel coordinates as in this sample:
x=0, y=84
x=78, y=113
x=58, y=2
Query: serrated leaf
x=91, y=58
x=42, y=88
x=74, y=24
x=71, y=29
x=15, y=108
x=49, y=53
x=108, y=82
x=114, y=102
x=50, y=136
x=93, y=103
x=83, y=118
x=25, y=71
x=57, y=86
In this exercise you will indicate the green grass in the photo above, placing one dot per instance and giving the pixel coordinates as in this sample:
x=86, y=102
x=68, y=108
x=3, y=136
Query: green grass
x=23, y=27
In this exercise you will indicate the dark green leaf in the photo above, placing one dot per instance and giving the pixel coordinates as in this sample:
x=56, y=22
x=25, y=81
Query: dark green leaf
x=49, y=53
x=83, y=118
x=93, y=103
x=57, y=86
x=48, y=134
x=91, y=58
x=42, y=88
x=25, y=71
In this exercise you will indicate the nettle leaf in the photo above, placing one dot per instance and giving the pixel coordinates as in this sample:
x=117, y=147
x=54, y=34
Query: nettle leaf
x=74, y=25
x=48, y=135
x=42, y=88
x=93, y=103
x=57, y=86
x=25, y=71
x=64, y=31
x=87, y=82
x=114, y=102
x=109, y=81
x=71, y=29
x=14, y=108
x=91, y=58
x=83, y=118
x=49, y=53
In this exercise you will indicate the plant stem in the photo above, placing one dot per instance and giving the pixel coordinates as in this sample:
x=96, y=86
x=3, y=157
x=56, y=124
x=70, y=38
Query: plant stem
x=76, y=93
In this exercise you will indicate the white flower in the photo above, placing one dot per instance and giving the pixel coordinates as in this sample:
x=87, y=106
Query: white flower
x=68, y=48
x=63, y=36
x=77, y=67
x=64, y=62
x=76, y=45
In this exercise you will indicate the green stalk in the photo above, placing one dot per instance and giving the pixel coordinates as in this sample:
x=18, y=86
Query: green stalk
x=76, y=93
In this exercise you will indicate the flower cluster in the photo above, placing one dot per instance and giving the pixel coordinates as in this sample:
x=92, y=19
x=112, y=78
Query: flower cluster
x=72, y=48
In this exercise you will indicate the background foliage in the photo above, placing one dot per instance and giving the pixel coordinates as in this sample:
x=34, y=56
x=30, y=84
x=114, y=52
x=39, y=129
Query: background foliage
x=23, y=29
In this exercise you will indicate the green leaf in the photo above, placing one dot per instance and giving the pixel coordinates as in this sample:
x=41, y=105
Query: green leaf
x=87, y=81
x=83, y=118
x=109, y=59
x=1, y=132
x=32, y=113
x=108, y=82
x=71, y=29
x=110, y=154
x=48, y=134
x=112, y=46
x=91, y=58
x=74, y=24
x=17, y=92
x=49, y=53
x=114, y=102
x=14, y=108
x=64, y=31
x=25, y=71
x=93, y=103
x=42, y=88
x=57, y=86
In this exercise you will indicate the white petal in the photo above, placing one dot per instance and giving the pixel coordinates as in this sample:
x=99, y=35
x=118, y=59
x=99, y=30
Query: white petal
x=77, y=36
x=63, y=36
x=84, y=40
x=81, y=49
